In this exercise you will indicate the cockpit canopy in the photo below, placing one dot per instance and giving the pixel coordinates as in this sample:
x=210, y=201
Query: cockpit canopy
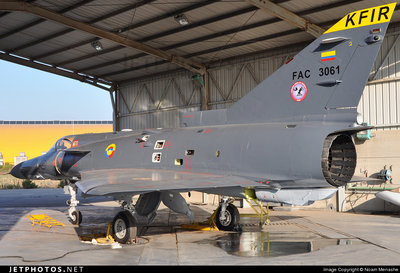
x=62, y=144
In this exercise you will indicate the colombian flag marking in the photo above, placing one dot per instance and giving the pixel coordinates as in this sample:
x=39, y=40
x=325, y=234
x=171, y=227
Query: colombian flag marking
x=328, y=56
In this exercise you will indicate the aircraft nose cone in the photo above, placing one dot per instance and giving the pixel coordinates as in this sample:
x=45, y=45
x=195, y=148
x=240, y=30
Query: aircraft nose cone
x=16, y=171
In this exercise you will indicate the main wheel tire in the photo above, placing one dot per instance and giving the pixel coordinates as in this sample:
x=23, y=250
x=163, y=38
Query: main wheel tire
x=124, y=228
x=76, y=218
x=228, y=220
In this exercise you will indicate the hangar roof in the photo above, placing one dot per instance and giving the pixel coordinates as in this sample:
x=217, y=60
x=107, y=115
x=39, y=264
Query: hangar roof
x=139, y=38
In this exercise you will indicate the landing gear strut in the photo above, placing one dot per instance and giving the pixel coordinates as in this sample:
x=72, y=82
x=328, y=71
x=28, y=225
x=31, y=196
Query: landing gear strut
x=124, y=227
x=132, y=221
x=227, y=217
x=74, y=214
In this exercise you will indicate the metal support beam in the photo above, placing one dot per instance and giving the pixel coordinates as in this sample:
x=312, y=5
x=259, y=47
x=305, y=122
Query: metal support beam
x=63, y=32
x=160, y=34
x=113, y=96
x=53, y=16
x=287, y=16
x=54, y=70
x=38, y=21
x=215, y=34
x=205, y=93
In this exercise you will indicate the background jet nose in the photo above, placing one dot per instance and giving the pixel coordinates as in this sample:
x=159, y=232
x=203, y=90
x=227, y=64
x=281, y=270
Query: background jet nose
x=16, y=171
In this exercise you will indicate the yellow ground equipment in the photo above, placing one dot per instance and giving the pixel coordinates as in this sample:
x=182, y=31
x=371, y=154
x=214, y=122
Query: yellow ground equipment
x=209, y=225
x=44, y=220
x=100, y=238
x=257, y=207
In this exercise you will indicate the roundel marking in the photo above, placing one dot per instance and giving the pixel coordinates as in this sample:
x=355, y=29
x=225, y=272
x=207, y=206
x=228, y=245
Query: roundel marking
x=109, y=152
x=298, y=91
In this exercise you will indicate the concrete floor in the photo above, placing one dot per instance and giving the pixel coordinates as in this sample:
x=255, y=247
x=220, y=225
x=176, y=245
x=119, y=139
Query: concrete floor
x=299, y=237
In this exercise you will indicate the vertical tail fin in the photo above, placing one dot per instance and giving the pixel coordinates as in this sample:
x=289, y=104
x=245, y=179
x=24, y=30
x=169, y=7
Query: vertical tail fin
x=327, y=76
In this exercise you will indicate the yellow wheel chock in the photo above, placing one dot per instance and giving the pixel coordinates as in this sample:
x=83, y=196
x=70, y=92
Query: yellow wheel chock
x=108, y=239
x=99, y=237
x=44, y=220
x=210, y=225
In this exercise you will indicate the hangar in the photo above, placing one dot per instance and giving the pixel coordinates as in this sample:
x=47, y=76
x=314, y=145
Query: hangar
x=159, y=58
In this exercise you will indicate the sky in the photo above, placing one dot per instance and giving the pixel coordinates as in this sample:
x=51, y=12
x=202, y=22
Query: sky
x=31, y=94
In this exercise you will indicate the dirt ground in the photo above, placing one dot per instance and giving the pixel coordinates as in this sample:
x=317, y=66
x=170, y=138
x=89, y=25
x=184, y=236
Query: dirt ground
x=7, y=181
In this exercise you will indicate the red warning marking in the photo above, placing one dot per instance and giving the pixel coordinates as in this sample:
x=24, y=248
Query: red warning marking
x=188, y=116
x=289, y=60
x=265, y=182
x=207, y=131
x=185, y=163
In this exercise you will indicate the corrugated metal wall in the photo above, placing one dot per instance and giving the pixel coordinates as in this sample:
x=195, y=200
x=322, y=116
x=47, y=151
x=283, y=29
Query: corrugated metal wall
x=156, y=102
x=380, y=102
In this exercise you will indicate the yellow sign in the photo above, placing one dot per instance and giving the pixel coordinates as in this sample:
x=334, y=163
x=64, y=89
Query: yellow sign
x=365, y=17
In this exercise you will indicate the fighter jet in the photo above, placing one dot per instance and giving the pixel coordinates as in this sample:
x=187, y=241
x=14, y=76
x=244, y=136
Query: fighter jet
x=289, y=140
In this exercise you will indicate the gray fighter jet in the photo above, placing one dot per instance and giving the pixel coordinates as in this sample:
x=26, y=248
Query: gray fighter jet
x=289, y=140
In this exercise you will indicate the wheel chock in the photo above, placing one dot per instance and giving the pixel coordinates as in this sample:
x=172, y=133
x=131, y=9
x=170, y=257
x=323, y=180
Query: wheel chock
x=199, y=226
x=210, y=225
x=99, y=239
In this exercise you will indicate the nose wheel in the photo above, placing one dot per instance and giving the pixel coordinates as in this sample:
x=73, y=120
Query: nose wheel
x=76, y=217
x=74, y=214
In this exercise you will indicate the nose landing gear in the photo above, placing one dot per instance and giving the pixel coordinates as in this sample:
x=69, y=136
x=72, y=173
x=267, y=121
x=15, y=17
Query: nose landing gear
x=74, y=214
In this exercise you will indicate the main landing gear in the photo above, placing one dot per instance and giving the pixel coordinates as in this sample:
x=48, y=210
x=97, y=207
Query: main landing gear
x=227, y=216
x=124, y=227
x=133, y=220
